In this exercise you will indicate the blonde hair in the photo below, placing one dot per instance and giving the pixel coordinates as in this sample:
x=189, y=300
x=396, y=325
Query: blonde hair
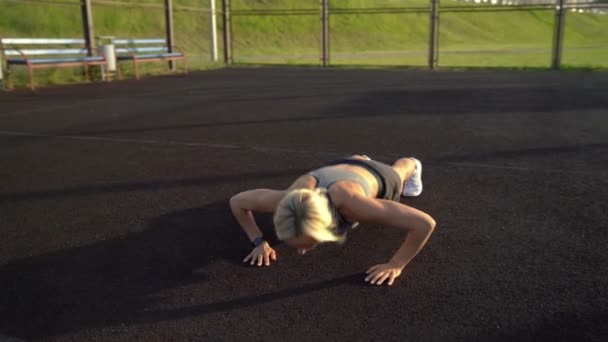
x=306, y=212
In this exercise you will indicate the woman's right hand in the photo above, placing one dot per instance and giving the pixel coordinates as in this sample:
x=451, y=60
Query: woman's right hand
x=262, y=255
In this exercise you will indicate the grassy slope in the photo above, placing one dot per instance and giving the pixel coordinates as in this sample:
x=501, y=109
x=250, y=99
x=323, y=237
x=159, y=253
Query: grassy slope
x=297, y=38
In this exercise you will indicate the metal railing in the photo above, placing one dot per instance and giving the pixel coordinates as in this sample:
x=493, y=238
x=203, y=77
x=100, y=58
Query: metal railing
x=434, y=11
x=324, y=11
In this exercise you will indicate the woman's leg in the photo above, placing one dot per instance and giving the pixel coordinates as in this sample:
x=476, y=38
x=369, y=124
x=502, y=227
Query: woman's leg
x=360, y=157
x=405, y=168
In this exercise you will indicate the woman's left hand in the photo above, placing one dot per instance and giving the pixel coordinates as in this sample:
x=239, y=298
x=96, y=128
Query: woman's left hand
x=379, y=273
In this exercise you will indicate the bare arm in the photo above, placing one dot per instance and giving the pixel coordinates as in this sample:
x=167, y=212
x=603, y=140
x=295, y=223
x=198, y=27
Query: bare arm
x=418, y=224
x=259, y=200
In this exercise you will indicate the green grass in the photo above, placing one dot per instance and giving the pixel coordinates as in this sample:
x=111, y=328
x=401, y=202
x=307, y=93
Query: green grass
x=488, y=39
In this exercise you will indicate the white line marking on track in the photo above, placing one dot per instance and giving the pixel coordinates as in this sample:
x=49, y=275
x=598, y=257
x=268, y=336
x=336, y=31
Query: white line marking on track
x=279, y=149
x=166, y=142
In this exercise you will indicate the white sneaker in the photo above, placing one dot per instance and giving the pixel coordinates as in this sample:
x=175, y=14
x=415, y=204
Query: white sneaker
x=413, y=186
x=366, y=157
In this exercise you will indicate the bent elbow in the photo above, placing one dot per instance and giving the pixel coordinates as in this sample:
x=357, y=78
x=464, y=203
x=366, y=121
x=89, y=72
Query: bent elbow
x=428, y=225
x=432, y=223
x=235, y=201
x=424, y=226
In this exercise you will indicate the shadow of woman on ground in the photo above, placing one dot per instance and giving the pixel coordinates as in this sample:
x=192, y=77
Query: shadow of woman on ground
x=112, y=281
x=116, y=282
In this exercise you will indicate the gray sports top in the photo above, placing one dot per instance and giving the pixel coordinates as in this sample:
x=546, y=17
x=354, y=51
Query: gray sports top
x=328, y=175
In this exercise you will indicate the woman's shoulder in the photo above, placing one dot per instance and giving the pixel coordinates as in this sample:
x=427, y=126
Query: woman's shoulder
x=343, y=190
x=342, y=197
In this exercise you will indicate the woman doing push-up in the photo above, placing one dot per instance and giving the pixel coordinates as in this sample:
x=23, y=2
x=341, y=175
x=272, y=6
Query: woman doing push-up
x=322, y=205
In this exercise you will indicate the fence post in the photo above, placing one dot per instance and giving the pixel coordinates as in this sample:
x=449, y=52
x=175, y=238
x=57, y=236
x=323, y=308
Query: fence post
x=227, y=23
x=1, y=76
x=325, y=32
x=212, y=31
x=434, y=30
x=558, y=34
x=169, y=29
x=87, y=22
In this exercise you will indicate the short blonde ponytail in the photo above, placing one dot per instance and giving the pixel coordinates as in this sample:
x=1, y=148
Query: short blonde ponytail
x=306, y=211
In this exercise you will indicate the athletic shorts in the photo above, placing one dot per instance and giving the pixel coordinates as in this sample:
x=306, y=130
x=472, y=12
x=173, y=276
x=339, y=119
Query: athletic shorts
x=389, y=182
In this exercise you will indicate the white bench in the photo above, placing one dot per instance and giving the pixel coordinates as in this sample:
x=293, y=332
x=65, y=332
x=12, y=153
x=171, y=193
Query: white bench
x=38, y=53
x=146, y=50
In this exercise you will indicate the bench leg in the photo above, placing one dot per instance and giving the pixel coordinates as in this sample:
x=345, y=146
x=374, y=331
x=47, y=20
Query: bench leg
x=86, y=72
x=107, y=75
x=31, y=75
x=118, y=71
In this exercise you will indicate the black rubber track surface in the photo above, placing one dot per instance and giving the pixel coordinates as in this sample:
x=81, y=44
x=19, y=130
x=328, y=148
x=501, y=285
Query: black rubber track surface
x=115, y=225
